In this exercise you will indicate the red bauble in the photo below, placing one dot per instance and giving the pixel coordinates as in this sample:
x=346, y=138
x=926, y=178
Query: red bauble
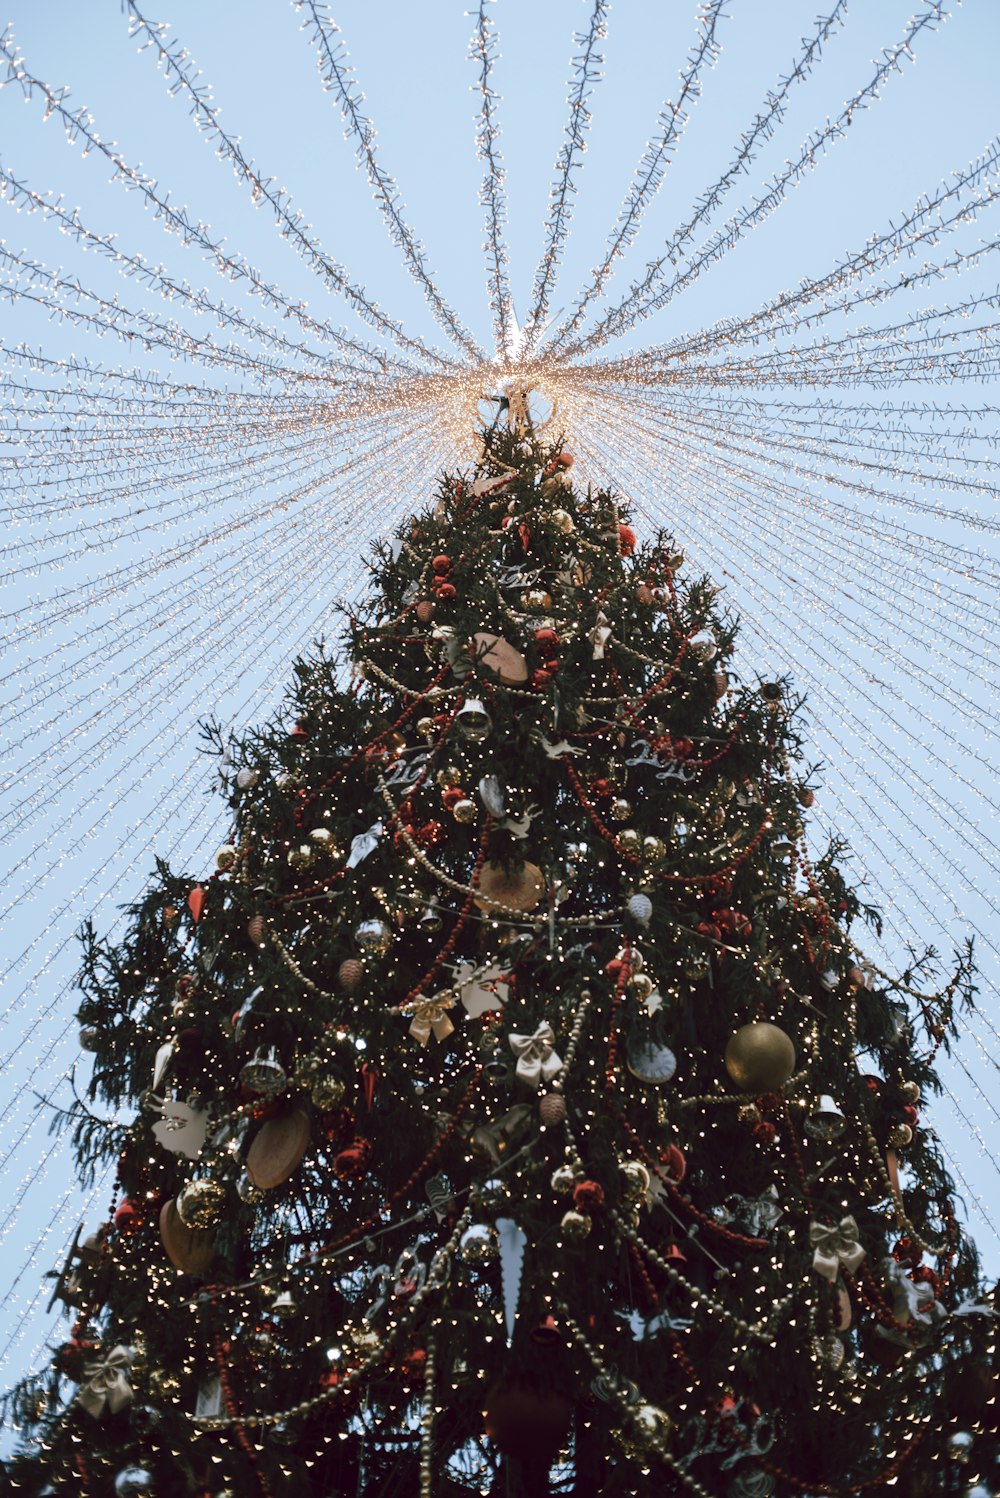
x=526, y=1423
x=588, y=1195
x=446, y=592
x=644, y=594
x=128, y=1216
x=765, y=1132
x=564, y=460
x=441, y=565
x=911, y=1115
x=353, y=1160
x=541, y=678
x=430, y=834
x=72, y=1355
x=451, y=797
x=601, y=787
x=547, y=641
x=626, y=540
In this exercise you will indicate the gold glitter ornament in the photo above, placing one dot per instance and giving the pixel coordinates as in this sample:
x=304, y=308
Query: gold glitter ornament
x=448, y=776
x=621, y=809
x=654, y=850
x=630, y=840
x=464, y=811
x=200, y=1203
x=575, y=1225
x=760, y=1057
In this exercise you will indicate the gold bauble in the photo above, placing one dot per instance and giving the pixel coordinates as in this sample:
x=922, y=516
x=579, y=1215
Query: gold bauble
x=536, y=600
x=447, y=776
x=749, y=1114
x=323, y=839
x=760, y=1058
x=225, y=858
x=575, y=1225
x=621, y=809
x=200, y=1203
x=464, y=810
x=327, y=1093
x=648, y=1429
x=425, y=728
x=654, y=850
x=630, y=840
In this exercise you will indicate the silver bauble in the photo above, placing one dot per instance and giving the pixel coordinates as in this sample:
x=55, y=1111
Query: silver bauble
x=134, y=1482
x=373, y=937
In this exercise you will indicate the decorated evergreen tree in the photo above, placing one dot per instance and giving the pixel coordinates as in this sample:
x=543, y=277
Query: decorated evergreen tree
x=515, y=1109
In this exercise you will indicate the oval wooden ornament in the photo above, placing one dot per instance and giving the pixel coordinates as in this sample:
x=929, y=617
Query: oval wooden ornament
x=276, y=1153
x=500, y=657
x=191, y=1250
x=521, y=890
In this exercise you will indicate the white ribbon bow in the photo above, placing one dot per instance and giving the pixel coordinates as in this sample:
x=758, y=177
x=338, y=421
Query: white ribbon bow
x=537, y=1061
x=835, y=1246
x=105, y=1383
x=363, y=844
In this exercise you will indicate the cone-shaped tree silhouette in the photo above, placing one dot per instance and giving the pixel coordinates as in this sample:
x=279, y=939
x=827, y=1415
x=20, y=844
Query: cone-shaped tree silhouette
x=515, y=1111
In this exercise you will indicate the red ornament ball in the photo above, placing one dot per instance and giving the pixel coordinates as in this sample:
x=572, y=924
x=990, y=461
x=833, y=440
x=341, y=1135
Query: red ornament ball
x=547, y=641
x=353, y=1161
x=446, y=592
x=765, y=1132
x=451, y=797
x=441, y=565
x=626, y=540
x=128, y=1216
x=588, y=1195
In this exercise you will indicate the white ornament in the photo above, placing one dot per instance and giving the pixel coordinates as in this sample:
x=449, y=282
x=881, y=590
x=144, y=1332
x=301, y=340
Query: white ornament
x=247, y=778
x=640, y=908
x=182, y=1129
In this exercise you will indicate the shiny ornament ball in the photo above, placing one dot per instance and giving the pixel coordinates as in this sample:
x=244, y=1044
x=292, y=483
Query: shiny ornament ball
x=575, y=1225
x=703, y=645
x=373, y=936
x=225, y=857
x=478, y=1244
x=536, y=600
x=910, y=1091
x=464, y=811
x=248, y=1192
x=640, y=986
x=247, y=778
x=635, y=1178
x=552, y=1109
x=491, y=1195
x=200, y=1203
x=301, y=857
x=350, y=973
x=760, y=1057
x=426, y=728
x=900, y=1135
x=630, y=841
x=621, y=809
x=323, y=839
x=640, y=908
x=654, y=850
x=588, y=1195
x=327, y=1093
x=445, y=592
x=648, y=1428
x=448, y=777
x=128, y=1216
x=90, y=1038
x=563, y=1180
x=134, y=1482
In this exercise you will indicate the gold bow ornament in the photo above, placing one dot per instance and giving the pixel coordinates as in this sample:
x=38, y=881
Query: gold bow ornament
x=835, y=1247
x=430, y=1017
x=104, y=1383
x=537, y=1061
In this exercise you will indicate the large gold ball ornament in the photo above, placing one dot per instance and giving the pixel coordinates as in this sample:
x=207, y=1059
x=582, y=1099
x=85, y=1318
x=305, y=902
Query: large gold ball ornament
x=464, y=811
x=621, y=809
x=447, y=776
x=536, y=600
x=760, y=1058
x=425, y=728
x=648, y=1429
x=629, y=840
x=575, y=1225
x=654, y=850
x=200, y=1203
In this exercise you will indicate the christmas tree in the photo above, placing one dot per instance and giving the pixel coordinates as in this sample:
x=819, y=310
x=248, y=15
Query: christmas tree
x=513, y=1109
